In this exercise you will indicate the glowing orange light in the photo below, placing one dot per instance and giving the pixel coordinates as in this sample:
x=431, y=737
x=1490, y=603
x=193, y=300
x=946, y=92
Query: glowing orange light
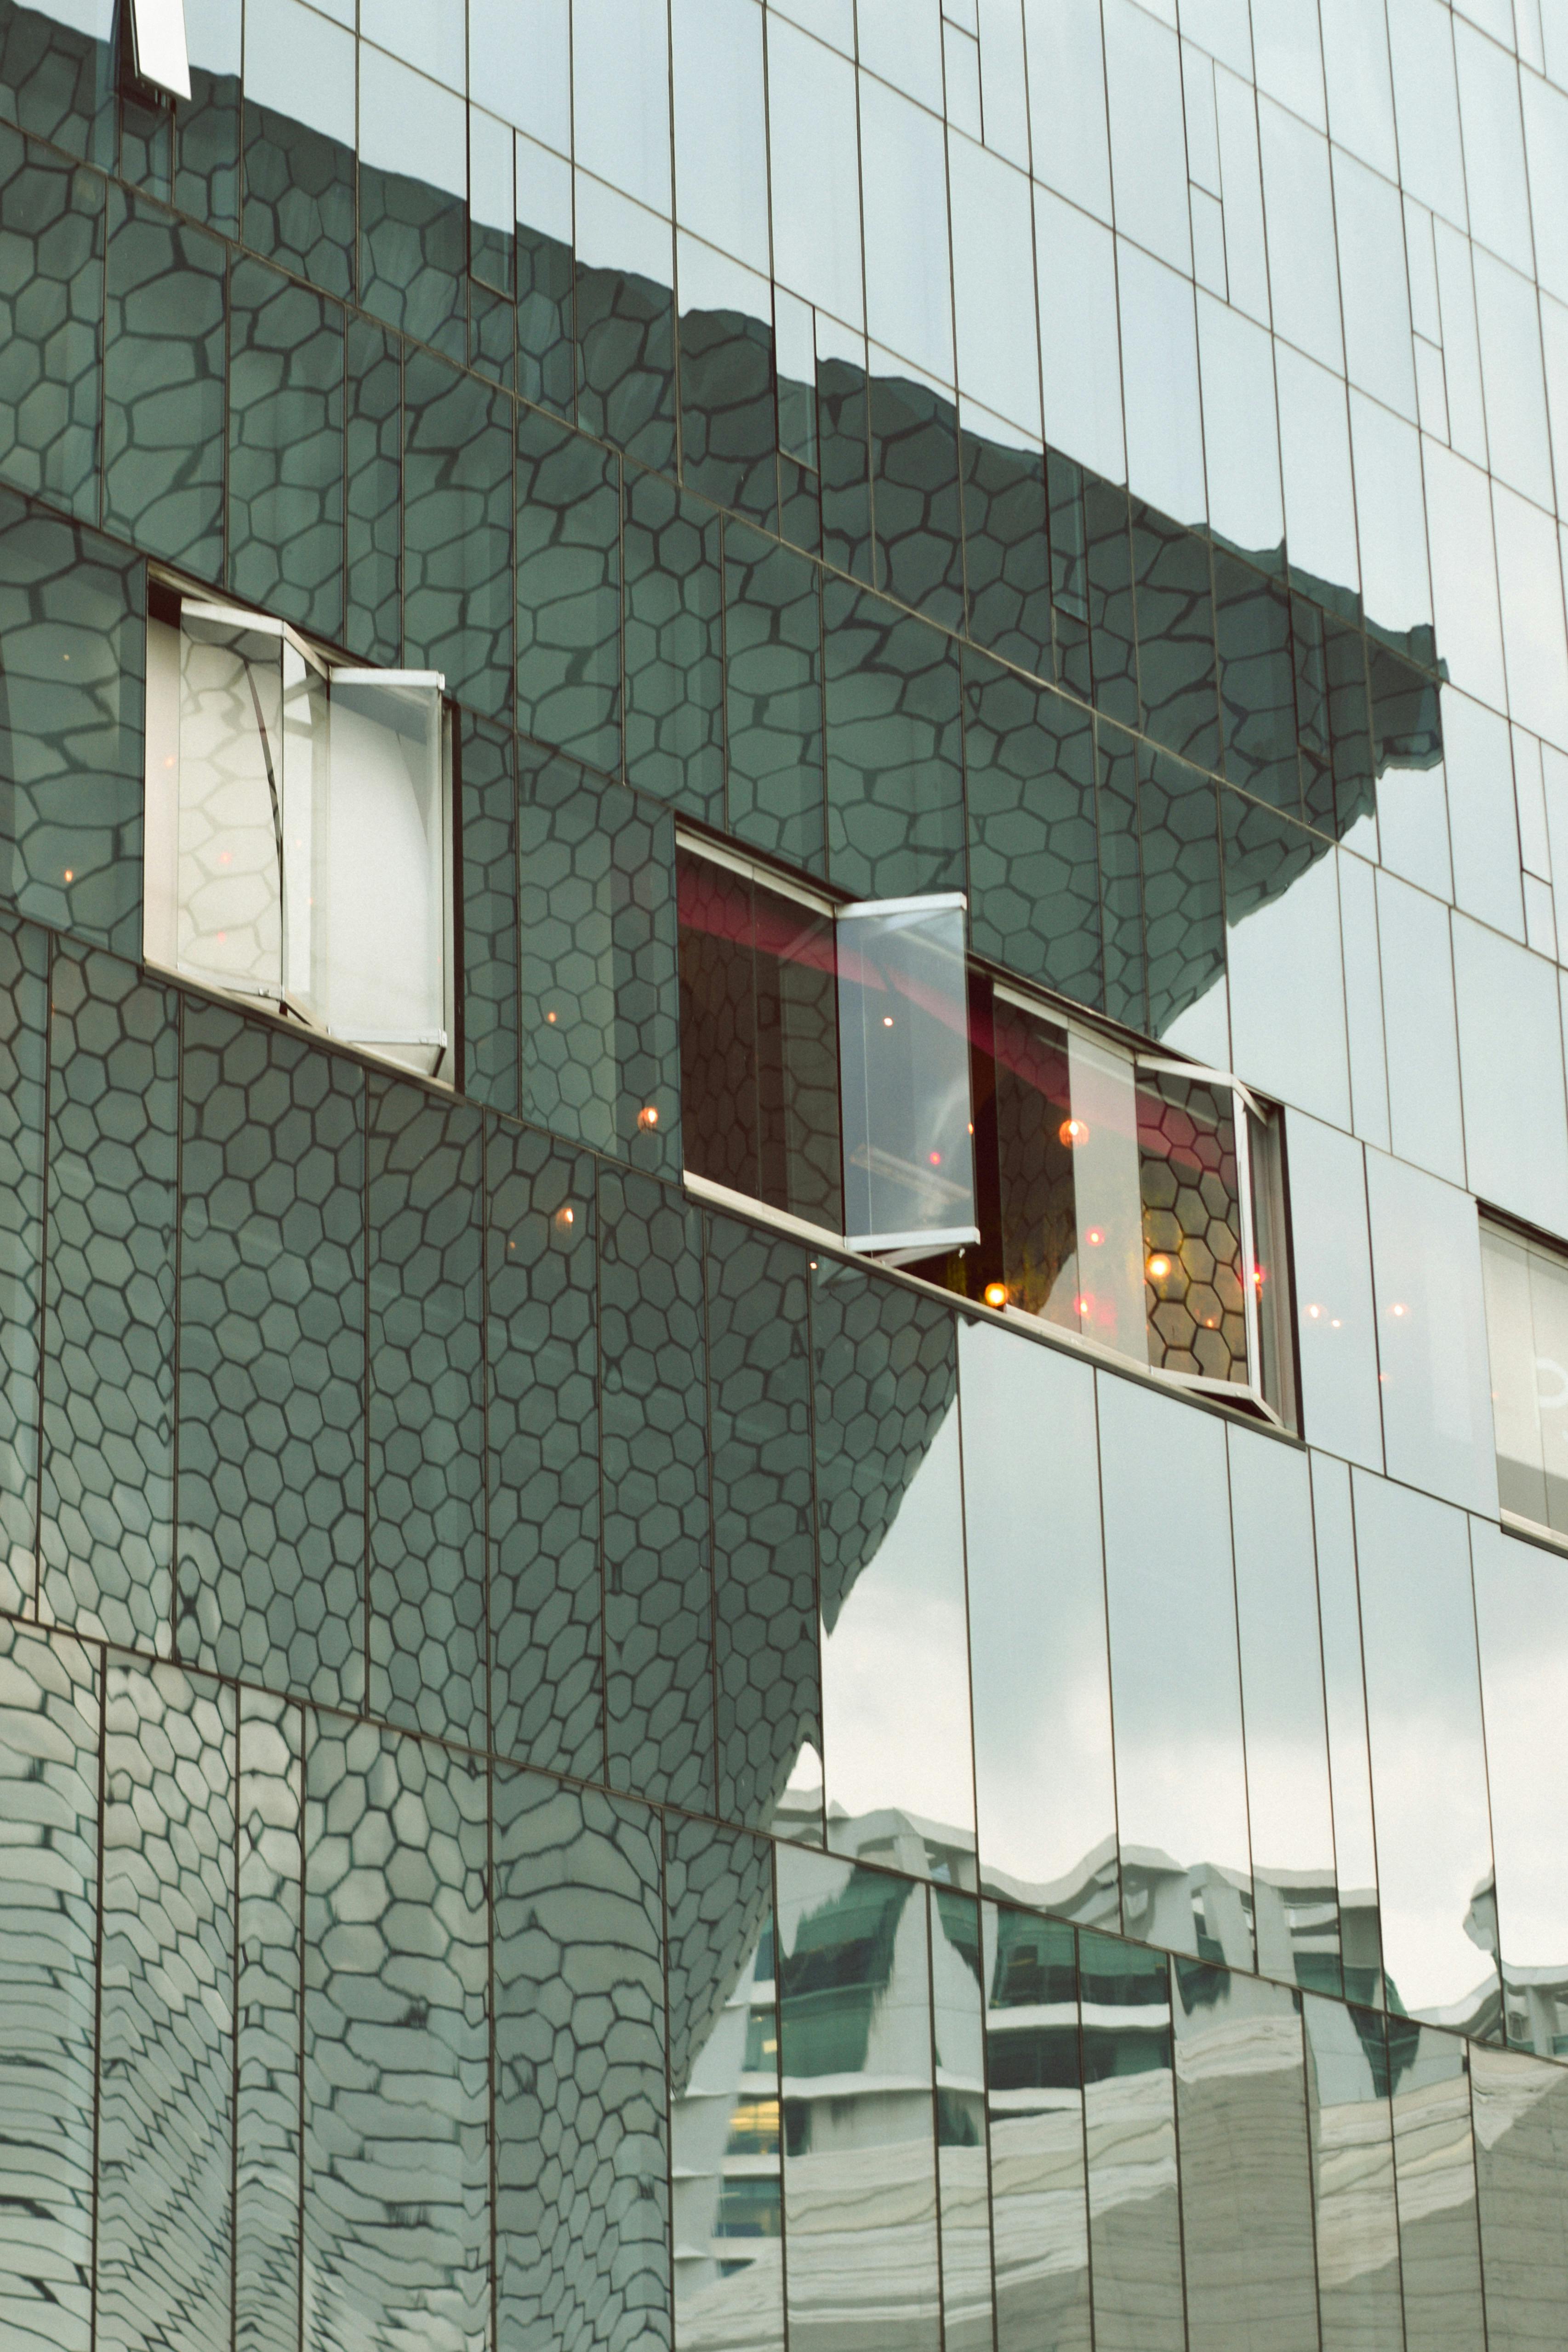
x=1083, y=1305
x=1314, y=1312
x=1159, y=1266
x=1399, y=1310
x=647, y=1116
x=887, y=1020
x=1072, y=1131
x=935, y=1158
x=1259, y=1276
x=1094, y=1237
x=567, y=1216
x=69, y=875
x=551, y=1018
x=995, y=1293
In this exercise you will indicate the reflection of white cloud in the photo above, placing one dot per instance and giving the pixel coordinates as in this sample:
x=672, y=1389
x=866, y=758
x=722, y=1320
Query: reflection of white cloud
x=894, y=1668
x=1521, y=1607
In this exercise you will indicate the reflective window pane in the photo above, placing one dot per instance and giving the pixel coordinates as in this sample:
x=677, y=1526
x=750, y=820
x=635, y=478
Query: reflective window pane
x=1246, y=2190
x=895, y=1684
x=725, y=2153
x=1193, y=1269
x=1180, y=1776
x=903, y=1027
x=1040, y=2213
x=1434, y=2177
x=859, y=2172
x=1036, y=1625
x=1352, y=2177
x=1130, y=2119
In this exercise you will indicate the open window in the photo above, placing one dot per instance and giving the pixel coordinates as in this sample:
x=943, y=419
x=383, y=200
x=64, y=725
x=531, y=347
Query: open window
x=299, y=845
x=843, y=1064
x=1133, y=1199
x=824, y=1057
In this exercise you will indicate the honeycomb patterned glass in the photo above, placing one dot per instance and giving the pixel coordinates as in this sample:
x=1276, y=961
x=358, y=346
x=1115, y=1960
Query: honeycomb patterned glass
x=581, y=2105
x=23, y=1064
x=272, y=1348
x=50, y=1742
x=106, y=1518
x=1193, y=1272
x=51, y=322
x=396, y=2042
x=165, y=2144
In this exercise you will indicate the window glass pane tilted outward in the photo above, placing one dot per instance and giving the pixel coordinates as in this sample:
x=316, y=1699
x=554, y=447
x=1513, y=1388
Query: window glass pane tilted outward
x=299, y=834
x=1136, y=1202
x=1526, y=1287
x=158, y=31
x=903, y=1025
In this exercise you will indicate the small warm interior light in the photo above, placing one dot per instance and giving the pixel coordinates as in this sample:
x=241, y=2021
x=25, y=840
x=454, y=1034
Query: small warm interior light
x=1334, y=1324
x=1159, y=1266
x=887, y=1020
x=1094, y=1237
x=995, y=1293
x=551, y=1018
x=1209, y=1324
x=566, y=1216
x=70, y=876
x=1083, y=1303
x=1399, y=1310
x=935, y=1158
x=1314, y=1312
x=647, y=1116
x=1072, y=1131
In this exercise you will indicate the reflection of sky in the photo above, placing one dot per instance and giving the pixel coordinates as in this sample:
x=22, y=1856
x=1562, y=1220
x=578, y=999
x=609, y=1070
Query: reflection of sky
x=895, y=1684
x=1430, y=1788
x=1181, y=1782
x=1042, y=1730
x=1521, y=1606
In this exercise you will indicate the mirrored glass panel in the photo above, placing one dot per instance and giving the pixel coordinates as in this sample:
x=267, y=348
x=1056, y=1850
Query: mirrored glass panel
x=1290, y=1810
x=1521, y=1621
x=962, y=2166
x=1130, y=2122
x=1040, y=2213
x=1043, y=1784
x=1429, y=1761
x=1526, y=1339
x=908, y=1174
x=726, y=2157
x=895, y=1682
x=1434, y=2180
x=1352, y=2177
x=859, y=2163
x=1246, y=2184
x=1180, y=1775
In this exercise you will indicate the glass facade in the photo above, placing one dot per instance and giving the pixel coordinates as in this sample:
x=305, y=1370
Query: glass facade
x=784, y=1175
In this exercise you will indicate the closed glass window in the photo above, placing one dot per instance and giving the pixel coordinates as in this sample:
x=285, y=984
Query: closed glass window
x=299, y=836
x=1526, y=1287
